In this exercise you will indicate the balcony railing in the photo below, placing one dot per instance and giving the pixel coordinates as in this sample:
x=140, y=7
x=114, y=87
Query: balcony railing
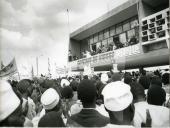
x=105, y=58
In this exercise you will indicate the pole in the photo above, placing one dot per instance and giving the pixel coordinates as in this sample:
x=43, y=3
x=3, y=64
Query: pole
x=37, y=64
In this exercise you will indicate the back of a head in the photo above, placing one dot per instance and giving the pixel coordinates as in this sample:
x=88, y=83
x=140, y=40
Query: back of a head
x=156, y=81
x=74, y=85
x=24, y=86
x=86, y=91
x=67, y=92
x=127, y=79
x=85, y=77
x=137, y=91
x=144, y=81
x=116, y=77
x=156, y=95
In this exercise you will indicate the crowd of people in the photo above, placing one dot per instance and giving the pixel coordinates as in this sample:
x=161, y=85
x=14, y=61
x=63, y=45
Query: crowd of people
x=112, y=99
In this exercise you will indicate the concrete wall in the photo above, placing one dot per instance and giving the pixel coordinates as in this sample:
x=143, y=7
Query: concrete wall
x=74, y=46
x=145, y=10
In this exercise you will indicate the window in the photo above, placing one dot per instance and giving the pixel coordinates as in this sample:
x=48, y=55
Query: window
x=112, y=31
x=101, y=36
x=91, y=40
x=126, y=26
x=122, y=38
x=118, y=29
x=106, y=33
x=96, y=38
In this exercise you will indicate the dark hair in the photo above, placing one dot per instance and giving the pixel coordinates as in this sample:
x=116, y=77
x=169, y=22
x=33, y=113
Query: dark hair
x=156, y=81
x=86, y=91
x=137, y=90
x=85, y=77
x=156, y=95
x=67, y=92
x=165, y=78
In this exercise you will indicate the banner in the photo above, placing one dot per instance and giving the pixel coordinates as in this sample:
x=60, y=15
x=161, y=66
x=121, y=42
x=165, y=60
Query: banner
x=10, y=69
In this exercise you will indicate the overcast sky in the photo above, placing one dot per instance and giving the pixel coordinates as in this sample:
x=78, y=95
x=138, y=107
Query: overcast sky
x=31, y=28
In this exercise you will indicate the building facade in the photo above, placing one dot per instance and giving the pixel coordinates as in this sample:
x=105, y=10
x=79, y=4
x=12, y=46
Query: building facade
x=132, y=35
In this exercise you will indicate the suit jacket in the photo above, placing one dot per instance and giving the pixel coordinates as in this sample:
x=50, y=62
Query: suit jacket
x=88, y=118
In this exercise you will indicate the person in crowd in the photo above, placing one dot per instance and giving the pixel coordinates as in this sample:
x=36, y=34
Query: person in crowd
x=110, y=48
x=133, y=40
x=166, y=82
x=70, y=56
x=74, y=85
x=159, y=115
x=166, y=87
x=128, y=78
x=156, y=81
x=156, y=95
x=144, y=80
x=104, y=49
x=118, y=103
x=88, y=116
x=25, y=88
x=99, y=50
x=11, y=111
x=52, y=104
x=67, y=102
x=87, y=54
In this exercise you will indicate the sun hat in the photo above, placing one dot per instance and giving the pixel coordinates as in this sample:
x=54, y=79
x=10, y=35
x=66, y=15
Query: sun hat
x=117, y=96
x=50, y=99
x=9, y=101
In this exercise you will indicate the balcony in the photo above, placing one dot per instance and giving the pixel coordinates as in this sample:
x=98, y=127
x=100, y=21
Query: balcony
x=107, y=58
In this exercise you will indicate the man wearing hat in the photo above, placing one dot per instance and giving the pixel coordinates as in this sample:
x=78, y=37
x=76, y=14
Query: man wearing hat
x=51, y=103
x=88, y=116
x=118, y=103
x=10, y=107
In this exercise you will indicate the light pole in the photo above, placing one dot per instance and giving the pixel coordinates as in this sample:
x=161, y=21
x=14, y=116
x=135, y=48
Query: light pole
x=37, y=64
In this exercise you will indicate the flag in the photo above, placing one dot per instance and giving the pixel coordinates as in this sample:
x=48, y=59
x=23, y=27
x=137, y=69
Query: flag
x=11, y=68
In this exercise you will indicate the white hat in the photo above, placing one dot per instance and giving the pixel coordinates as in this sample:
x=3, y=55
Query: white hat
x=64, y=82
x=104, y=78
x=117, y=96
x=9, y=101
x=50, y=98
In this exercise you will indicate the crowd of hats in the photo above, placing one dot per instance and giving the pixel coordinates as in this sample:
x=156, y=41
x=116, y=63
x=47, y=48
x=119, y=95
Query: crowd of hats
x=52, y=102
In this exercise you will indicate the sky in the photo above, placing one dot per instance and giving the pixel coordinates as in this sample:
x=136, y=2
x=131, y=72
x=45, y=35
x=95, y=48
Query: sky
x=39, y=28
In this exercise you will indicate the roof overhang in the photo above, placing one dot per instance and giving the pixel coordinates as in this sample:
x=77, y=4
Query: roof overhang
x=118, y=14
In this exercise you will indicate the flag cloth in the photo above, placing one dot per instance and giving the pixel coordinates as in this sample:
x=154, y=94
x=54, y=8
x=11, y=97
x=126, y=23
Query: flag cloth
x=11, y=68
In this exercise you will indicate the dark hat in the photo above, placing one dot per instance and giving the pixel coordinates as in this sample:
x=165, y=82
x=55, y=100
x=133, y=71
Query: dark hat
x=51, y=119
x=156, y=95
x=86, y=91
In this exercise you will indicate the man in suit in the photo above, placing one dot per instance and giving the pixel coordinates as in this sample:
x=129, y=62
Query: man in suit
x=88, y=116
